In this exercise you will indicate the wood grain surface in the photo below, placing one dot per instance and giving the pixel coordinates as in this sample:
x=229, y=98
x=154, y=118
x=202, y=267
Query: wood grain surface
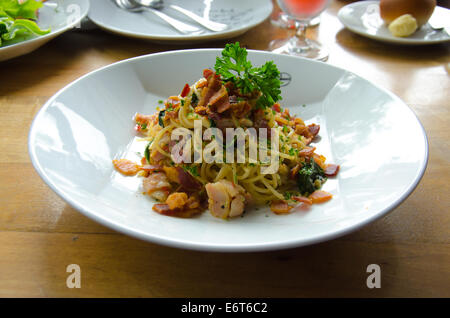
x=40, y=234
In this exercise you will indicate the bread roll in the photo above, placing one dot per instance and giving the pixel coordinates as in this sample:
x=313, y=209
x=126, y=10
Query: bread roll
x=404, y=25
x=421, y=10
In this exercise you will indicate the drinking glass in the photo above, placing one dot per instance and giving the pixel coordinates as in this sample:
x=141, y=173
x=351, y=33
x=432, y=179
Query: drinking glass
x=282, y=20
x=302, y=12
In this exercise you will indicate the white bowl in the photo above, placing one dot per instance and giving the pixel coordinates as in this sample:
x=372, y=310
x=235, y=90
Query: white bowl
x=378, y=141
x=59, y=15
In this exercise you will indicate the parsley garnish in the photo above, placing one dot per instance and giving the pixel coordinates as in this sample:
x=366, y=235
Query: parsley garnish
x=194, y=100
x=193, y=170
x=147, y=152
x=308, y=174
x=161, y=118
x=234, y=67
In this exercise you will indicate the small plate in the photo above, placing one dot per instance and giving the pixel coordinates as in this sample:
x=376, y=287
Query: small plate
x=239, y=15
x=364, y=19
x=374, y=136
x=59, y=15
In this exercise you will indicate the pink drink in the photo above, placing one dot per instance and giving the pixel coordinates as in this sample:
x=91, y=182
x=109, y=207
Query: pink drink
x=303, y=9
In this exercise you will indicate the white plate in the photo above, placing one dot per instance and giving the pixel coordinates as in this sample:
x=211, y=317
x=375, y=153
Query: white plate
x=364, y=19
x=374, y=136
x=239, y=15
x=59, y=15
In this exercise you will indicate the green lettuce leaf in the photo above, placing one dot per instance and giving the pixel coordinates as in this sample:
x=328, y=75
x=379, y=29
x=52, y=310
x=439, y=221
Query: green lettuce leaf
x=12, y=26
x=25, y=9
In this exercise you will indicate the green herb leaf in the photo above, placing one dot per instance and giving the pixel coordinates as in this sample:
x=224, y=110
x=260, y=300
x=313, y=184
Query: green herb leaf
x=234, y=67
x=308, y=174
x=147, y=152
x=161, y=118
x=16, y=19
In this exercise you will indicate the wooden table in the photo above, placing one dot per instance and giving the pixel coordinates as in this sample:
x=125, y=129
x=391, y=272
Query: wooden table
x=40, y=234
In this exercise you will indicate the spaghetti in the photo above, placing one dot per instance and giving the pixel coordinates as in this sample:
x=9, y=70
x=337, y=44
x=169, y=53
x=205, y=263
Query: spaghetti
x=185, y=189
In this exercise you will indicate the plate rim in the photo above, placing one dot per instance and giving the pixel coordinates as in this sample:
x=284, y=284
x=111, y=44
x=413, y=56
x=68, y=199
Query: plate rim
x=207, y=247
x=390, y=40
x=182, y=38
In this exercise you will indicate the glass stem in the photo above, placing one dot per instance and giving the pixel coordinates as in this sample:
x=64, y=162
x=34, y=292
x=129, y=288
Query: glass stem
x=301, y=31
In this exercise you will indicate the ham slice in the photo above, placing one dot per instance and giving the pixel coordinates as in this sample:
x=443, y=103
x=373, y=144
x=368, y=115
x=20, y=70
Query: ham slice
x=155, y=182
x=126, y=167
x=280, y=207
x=306, y=152
x=187, y=182
x=320, y=196
x=225, y=199
x=331, y=170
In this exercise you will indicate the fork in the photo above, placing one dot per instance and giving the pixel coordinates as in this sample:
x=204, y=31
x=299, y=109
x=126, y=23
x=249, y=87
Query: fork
x=159, y=4
x=178, y=25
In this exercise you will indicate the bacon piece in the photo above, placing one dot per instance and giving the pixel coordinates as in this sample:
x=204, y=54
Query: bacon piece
x=172, y=114
x=172, y=174
x=207, y=73
x=286, y=114
x=300, y=129
x=213, y=116
x=193, y=202
x=179, y=205
x=172, y=101
x=259, y=119
x=314, y=130
x=151, y=168
x=185, y=91
x=320, y=160
x=161, y=208
x=299, y=121
x=320, y=196
x=224, y=123
x=201, y=83
x=220, y=101
x=126, y=167
x=276, y=107
x=241, y=109
x=187, y=182
x=281, y=120
x=309, y=132
x=294, y=171
x=155, y=182
x=201, y=110
x=143, y=119
x=306, y=152
x=156, y=156
x=213, y=86
x=280, y=207
x=165, y=210
x=301, y=207
x=177, y=200
x=302, y=199
x=225, y=199
x=331, y=170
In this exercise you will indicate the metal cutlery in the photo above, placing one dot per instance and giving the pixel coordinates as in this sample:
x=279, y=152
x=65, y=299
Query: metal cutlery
x=159, y=4
x=178, y=25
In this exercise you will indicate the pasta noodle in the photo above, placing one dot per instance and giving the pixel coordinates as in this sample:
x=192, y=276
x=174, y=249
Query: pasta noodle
x=183, y=181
